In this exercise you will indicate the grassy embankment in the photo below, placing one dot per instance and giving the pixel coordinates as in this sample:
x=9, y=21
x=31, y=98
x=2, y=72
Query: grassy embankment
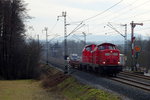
x=74, y=90
x=57, y=86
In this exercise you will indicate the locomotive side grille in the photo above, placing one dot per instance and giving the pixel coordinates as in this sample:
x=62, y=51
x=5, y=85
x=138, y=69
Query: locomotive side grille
x=111, y=61
x=115, y=61
x=108, y=61
x=115, y=54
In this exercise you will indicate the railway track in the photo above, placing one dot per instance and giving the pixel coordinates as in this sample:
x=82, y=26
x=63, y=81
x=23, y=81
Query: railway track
x=127, y=78
x=135, y=75
x=133, y=83
x=135, y=80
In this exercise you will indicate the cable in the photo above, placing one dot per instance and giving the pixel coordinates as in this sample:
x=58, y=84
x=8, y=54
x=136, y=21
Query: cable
x=121, y=9
x=147, y=28
x=53, y=27
x=99, y=13
x=103, y=11
x=130, y=9
x=69, y=18
x=74, y=36
x=136, y=16
x=145, y=20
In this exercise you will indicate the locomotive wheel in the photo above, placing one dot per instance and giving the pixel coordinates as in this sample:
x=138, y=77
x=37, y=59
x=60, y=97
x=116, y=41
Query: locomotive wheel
x=80, y=67
x=88, y=68
x=96, y=69
x=114, y=74
x=85, y=67
x=100, y=71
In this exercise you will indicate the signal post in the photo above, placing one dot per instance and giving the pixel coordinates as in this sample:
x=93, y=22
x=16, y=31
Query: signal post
x=132, y=43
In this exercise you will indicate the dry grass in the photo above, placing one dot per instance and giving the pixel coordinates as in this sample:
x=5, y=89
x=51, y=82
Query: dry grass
x=25, y=90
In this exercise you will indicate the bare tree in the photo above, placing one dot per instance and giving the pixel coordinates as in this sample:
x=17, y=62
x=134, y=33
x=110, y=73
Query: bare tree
x=17, y=59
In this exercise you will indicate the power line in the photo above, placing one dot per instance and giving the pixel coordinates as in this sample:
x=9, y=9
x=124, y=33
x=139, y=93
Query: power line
x=145, y=20
x=53, y=27
x=76, y=37
x=121, y=14
x=107, y=10
x=69, y=18
x=136, y=16
x=103, y=11
x=121, y=9
x=99, y=13
x=147, y=28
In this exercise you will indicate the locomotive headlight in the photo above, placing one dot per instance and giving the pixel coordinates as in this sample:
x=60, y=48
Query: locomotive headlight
x=104, y=62
x=115, y=54
x=118, y=62
x=107, y=54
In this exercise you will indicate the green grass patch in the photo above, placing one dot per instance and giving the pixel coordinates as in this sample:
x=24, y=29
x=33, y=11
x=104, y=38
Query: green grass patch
x=74, y=90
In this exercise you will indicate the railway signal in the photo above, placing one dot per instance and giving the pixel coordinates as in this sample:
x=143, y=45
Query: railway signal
x=132, y=42
x=137, y=48
x=137, y=52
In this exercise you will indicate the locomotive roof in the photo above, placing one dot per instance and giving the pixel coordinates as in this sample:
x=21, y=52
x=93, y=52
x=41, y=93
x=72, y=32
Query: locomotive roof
x=107, y=44
x=90, y=45
x=100, y=44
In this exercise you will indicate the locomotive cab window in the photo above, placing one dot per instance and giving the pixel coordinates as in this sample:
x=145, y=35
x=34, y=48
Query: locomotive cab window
x=111, y=47
x=104, y=47
x=88, y=48
x=101, y=48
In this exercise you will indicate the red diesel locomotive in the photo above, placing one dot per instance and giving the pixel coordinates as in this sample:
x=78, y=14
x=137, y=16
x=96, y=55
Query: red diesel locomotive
x=103, y=58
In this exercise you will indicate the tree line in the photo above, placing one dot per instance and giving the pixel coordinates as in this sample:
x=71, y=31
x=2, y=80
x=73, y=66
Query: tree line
x=18, y=57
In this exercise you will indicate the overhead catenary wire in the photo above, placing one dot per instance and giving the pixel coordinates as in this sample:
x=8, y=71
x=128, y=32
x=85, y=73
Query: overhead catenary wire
x=53, y=27
x=148, y=20
x=119, y=15
x=76, y=37
x=122, y=9
x=140, y=5
x=77, y=28
x=99, y=13
x=136, y=16
x=85, y=20
x=103, y=11
x=129, y=10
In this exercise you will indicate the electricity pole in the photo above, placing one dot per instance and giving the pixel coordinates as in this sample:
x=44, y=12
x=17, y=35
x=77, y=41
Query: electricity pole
x=125, y=39
x=132, y=42
x=64, y=14
x=46, y=29
x=84, y=34
x=125, y=35
x=38, y=41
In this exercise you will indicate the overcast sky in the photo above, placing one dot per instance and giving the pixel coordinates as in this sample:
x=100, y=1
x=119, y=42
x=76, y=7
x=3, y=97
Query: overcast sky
x=45, y=14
